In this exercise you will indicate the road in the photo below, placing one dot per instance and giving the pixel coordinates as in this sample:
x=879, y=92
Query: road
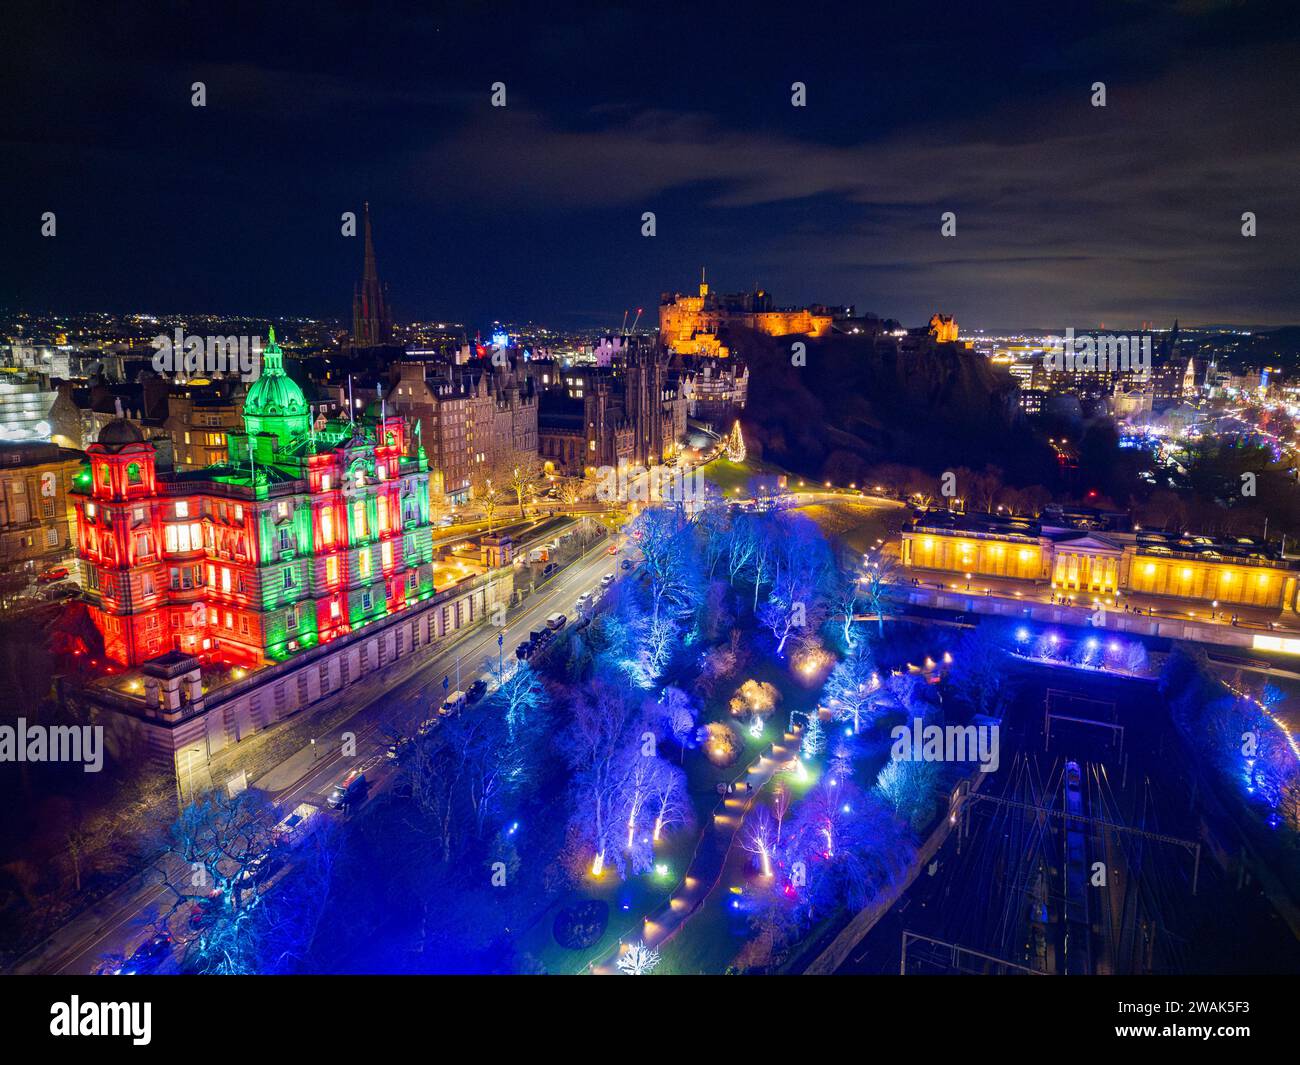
x=124, y=920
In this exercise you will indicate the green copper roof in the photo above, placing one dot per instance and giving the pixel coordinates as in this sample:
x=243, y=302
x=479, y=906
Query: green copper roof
x=275, y=404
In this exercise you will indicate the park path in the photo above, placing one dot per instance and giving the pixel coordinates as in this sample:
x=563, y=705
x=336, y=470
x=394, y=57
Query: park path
x=709, y=860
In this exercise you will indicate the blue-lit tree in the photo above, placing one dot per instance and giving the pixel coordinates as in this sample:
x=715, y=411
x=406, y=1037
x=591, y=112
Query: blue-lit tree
x=911, y=787
x=852, y=686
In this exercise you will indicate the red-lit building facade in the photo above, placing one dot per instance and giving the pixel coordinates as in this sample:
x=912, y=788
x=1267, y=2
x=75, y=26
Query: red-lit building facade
x=302, y=535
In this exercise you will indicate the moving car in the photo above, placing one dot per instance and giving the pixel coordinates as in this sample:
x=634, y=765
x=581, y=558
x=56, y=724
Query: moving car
x=147, y=957
x=351, y=789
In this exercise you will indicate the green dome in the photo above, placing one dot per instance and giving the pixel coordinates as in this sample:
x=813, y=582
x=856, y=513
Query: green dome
x=275, y=404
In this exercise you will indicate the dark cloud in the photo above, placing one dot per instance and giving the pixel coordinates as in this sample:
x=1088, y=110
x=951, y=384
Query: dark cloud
x=1066, y=213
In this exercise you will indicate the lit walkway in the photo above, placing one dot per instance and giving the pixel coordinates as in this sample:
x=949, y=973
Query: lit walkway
x=709, y=859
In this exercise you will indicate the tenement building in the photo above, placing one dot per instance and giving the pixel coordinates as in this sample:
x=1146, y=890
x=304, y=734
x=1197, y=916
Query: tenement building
x=472, y=419
x=35, y=479
x=1085, y=556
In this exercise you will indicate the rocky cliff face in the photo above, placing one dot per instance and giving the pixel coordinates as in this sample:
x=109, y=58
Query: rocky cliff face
x=856, y=404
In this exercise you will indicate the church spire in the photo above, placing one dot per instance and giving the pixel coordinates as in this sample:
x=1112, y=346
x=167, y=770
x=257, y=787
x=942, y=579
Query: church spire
x=372, y=322
x=368, y=271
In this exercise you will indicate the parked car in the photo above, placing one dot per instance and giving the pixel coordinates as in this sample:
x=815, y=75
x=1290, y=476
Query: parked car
x=555, y=622
x=263, y=867
x=398, y=749
x=348, y=791
x=426, y=726
x=202, y=912
x=625, y=565
x=476, y=691
x=607, y=580
x=62, y=590
x=524, y=651
x=54, y=573
x=548, y=569
x=452, y=703
x=298, y=825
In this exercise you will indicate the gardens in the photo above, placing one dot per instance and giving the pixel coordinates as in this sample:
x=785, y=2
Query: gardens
x=700, y=778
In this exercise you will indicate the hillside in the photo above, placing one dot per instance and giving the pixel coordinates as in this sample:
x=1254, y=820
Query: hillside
x=854, y=406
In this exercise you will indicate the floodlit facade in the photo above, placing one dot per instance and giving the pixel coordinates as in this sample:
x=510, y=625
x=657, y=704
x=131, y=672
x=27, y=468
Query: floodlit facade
x=300, y=536
x=1231, y=572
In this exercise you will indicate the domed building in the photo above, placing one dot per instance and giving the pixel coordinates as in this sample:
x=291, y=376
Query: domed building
x=300, y=536
x=275, y=404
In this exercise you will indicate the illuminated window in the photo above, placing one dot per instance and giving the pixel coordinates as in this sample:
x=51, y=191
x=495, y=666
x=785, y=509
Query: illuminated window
x=332, y=570
x=325, y=482
x=334, y=608
x=327, y=526
x=359, y=519
x=182, y=509
x=225, y=579
x=387, y=553
x=363, y=563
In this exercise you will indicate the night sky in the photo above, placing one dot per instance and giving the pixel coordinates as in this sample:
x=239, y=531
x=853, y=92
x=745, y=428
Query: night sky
x=1067, y=214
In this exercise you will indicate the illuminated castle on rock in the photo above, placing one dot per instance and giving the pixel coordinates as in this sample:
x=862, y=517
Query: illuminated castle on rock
x=304, y=533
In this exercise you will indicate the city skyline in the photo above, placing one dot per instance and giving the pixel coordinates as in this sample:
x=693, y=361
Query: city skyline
x=650, y=490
